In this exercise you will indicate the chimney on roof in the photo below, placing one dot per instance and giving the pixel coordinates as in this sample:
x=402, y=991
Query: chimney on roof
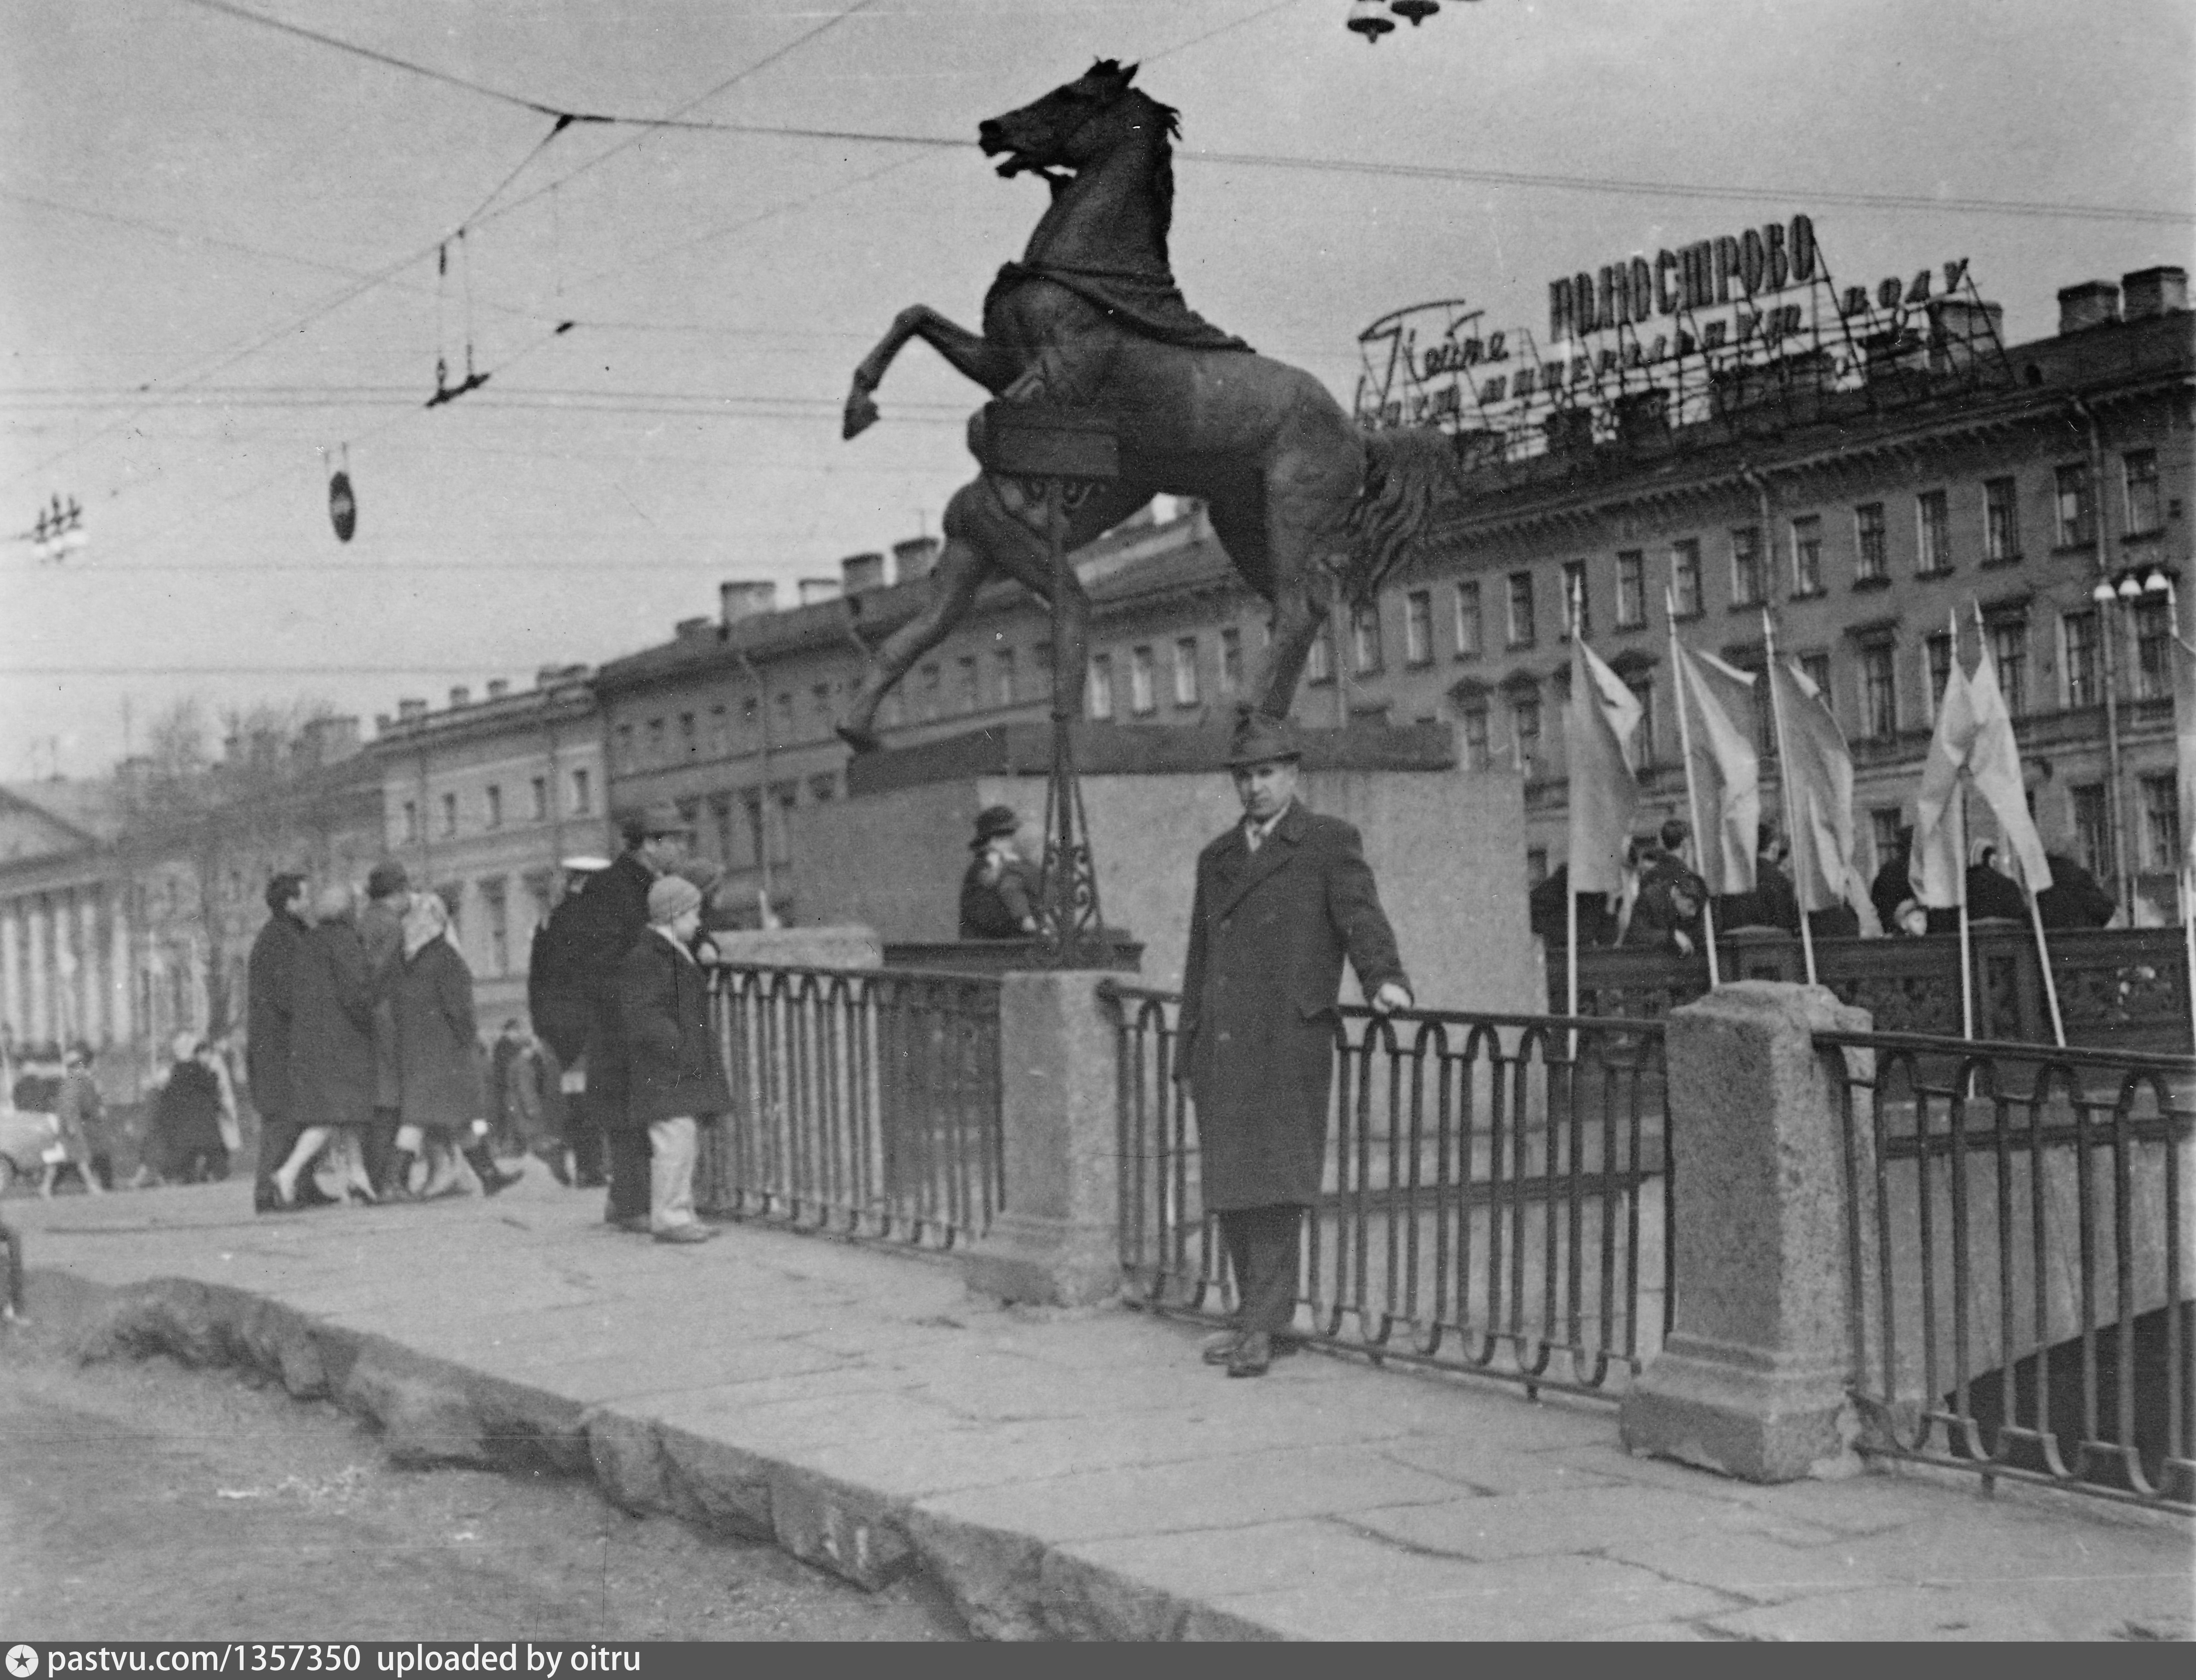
x=688, y=628
x=549, y=675
x=860, y=572
x=1962, y=333
x=2155, y=292
x=737, y=601
x=915, y=558
x=323, y=740
x=813, y=590
x=410, y=711
x=2091, y=304
x=461, y=695
x=1569, y=430
x=498, y=687
x=381, y=723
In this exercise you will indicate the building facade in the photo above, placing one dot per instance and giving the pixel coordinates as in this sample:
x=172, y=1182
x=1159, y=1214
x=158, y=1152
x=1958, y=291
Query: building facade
x=481, y=800
x=127, y=906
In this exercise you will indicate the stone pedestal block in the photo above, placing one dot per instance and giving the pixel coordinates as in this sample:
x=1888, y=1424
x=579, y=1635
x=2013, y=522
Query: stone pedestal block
x=1752, y=1380
x=1446, y=844
x=1054, y=1241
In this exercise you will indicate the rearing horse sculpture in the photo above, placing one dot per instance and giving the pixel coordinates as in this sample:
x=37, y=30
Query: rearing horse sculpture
x=1306, y=506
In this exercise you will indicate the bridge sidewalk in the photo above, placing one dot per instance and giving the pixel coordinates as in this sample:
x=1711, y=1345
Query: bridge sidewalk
x=1061, y=1473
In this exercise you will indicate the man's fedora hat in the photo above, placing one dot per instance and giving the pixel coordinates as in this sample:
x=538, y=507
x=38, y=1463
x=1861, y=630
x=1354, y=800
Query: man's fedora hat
x=994, y=819
x=1259, y=739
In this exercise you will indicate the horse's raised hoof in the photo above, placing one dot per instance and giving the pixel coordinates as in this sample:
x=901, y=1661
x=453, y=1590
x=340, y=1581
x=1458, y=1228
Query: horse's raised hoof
x=860, y=415
x=861, y=740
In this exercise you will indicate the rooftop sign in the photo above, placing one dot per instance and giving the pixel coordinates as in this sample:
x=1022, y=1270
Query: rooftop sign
x=1678, y=332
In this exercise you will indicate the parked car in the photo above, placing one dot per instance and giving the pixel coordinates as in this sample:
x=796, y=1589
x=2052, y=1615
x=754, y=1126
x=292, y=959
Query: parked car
x=27, y=1136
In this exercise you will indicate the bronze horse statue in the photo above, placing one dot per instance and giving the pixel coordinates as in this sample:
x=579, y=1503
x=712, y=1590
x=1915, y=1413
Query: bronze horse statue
x=1307, y=506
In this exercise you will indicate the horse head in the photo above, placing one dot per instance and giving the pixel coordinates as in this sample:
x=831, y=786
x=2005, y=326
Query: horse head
x=1076, y=124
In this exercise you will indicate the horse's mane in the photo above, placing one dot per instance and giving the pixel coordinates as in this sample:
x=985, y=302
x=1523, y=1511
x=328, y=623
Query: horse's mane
x=1163, y=165
x=1409, y=472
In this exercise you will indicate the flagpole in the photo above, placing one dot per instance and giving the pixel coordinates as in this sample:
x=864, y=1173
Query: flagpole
x=1692, y=794
x=2043, y=960
x=1570, y=869
x=1960, y=872
x=1784, y=785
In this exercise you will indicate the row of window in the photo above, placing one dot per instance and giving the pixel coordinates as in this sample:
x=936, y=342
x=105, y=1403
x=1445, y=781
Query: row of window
x=1183, y=681
x=580, y=802
x=1750, y=584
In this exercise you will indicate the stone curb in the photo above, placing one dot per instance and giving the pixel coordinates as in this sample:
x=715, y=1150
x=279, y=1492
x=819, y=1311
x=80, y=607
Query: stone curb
x=431, y=1411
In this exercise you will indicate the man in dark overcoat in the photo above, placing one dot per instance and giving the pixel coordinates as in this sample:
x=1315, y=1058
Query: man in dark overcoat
x=556, y=1001
x=614, y=911
x=1281, y=899
x=270, y=978
x=381, y=929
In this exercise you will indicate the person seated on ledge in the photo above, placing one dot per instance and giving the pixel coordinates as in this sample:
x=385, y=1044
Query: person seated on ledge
x=998, y=894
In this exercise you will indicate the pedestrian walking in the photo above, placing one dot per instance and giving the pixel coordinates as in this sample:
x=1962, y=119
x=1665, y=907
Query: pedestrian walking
x=184, y=1142
x=674, y=1079
x=81, y=1116
x=558, y=997
x=381, y=930
x=1281, y=899
x=271, y=980
x=614, y=912
x=331, y=1046
x=430, y=994
x=998, y=893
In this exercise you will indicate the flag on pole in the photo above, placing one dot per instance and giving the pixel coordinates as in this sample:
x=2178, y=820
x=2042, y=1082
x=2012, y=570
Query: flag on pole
x=1818, y=769
x=1600, y=735
x=1725, y=768
x=1934, y=868
x=1994, y=766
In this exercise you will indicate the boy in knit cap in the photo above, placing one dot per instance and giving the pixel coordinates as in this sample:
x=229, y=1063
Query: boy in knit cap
x=674, y=1079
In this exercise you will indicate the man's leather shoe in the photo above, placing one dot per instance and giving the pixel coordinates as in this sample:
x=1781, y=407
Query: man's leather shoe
x=638, y=1225
x=1221, y=1349
x=1253, y=1356
x=311, y=1195
x=685, y=1233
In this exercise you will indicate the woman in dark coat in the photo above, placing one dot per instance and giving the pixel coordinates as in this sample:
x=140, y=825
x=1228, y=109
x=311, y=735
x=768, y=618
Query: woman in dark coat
x=331, y=1040
x=673, y=1076
x=431, y=992
x=186, y=1132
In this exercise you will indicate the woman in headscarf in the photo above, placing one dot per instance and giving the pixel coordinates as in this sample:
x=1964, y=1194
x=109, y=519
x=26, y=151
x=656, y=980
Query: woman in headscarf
x=442, y=1100
x=330, y=1043
x=186, y=1139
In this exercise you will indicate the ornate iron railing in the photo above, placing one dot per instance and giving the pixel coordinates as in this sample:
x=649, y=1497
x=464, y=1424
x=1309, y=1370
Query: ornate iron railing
x=865, y=1102
x=1497, y=1192
x=2019, y=1274
x=2121, y=988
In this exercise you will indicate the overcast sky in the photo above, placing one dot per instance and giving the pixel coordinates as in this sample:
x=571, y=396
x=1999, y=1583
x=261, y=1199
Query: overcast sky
x=217, y=260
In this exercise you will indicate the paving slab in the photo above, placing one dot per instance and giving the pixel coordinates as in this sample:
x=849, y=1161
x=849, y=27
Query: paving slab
x=1063, y=1473
x=1549, y=1522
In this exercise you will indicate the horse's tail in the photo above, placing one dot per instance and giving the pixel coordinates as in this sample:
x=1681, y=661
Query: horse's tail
x=1409, y=472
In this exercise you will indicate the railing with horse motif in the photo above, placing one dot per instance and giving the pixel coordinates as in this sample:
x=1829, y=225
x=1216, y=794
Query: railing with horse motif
x=1497, y=1194
x=2019, y=1268
x=865, y=1102
x=2122, y=989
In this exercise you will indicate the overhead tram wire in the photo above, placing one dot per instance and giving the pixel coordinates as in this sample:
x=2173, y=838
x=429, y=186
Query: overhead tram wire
x=1700, y=190
x=387, y=271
